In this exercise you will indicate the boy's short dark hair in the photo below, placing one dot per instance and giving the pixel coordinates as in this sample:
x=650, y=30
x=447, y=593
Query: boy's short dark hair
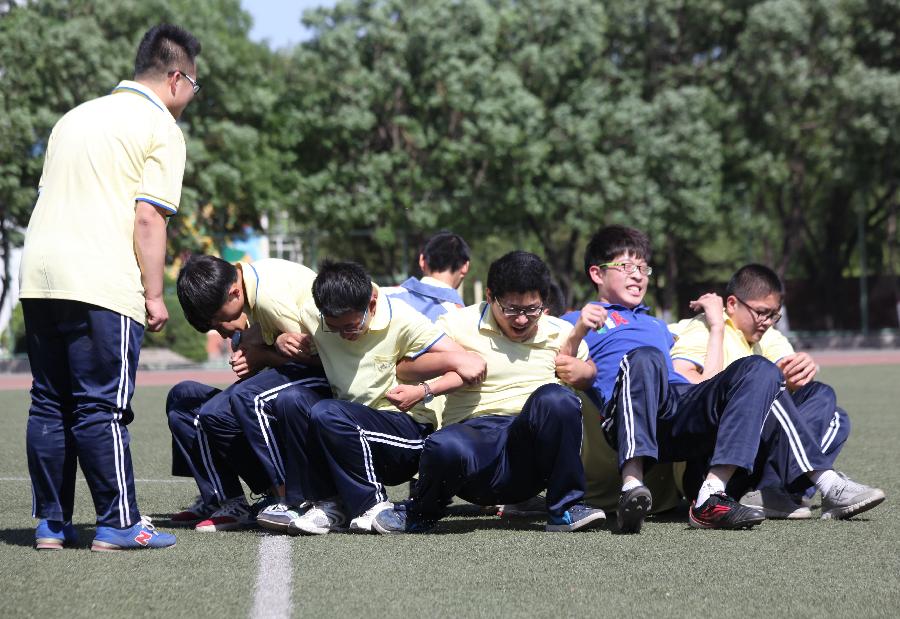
x=556, y=300
x=611, y=241
x=754, y=281
x=445, y=251
x=519, y=271
x=341, y=287
x=165, y=48
x=203, y=284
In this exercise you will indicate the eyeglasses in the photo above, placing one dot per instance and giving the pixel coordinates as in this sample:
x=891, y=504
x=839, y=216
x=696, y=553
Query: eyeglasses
x=195, y=85
x=528, y=312
x=629, y=267
x=761, y=317
x=349, y=330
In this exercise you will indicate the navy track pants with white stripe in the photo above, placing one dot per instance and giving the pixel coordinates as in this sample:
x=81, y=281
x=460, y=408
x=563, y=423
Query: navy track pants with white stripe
x=83, y=363
x=506, y=459
x=221, y=435
x=306, y=473
x=719, y=419
x=365, y=449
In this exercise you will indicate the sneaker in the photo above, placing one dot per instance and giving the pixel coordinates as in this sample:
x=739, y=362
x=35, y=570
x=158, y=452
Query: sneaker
x=776, y=504
x=278, y=517
x=232, y=514
x=536, y=506
x=846, y=498
x=54, y=534
x=634, y=505
x=190, y=516
x=141, y=535
x=323, y=517
x=363, y=522
x=393, y=521
x=575, y=518
x=720, y=511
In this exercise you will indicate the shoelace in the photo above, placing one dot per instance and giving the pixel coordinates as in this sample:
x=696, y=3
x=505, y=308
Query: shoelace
x=147, y=524
x=234, y=507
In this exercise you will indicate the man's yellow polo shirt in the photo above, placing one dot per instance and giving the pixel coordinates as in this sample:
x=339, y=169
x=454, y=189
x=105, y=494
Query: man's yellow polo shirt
x=514, y=369
x=364, y=370
x=275, y=291
x=692, y=337
x=102, y=156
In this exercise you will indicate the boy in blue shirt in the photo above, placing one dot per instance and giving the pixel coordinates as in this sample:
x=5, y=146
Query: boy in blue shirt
x=655, y=414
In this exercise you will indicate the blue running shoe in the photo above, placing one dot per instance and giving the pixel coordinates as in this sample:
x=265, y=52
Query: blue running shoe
x=141, y=535
x=575, y=518
x=54, y=534
x=393, y=521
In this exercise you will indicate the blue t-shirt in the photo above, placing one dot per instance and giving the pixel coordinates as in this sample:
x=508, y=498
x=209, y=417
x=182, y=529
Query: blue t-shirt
x=430, y=301
x=624, y=330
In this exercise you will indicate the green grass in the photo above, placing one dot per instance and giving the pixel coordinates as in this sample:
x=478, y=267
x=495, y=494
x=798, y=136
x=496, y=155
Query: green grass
x=473, y=566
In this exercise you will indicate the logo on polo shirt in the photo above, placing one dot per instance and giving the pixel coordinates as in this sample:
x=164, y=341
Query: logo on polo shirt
x=613, y=320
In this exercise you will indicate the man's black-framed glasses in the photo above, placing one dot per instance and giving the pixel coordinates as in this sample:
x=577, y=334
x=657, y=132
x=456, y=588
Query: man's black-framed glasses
x=512, y=311
x=758, y=316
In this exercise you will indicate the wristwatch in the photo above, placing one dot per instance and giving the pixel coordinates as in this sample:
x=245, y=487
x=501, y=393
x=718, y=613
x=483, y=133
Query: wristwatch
x=429, y=395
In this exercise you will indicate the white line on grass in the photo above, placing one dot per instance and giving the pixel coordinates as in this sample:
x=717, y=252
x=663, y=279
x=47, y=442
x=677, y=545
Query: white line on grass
x=139, y=481
x=272, y=594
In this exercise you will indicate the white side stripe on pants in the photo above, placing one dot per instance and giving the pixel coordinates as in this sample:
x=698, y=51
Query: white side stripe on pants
x=259, y=402
x=831, y=433
x=793, y=438
x=116, y=428
x=630, y=441
x=387, y=439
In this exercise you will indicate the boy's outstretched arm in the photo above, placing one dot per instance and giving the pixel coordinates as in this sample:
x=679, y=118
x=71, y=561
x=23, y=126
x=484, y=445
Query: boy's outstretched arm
x=713, y=309
x=444, y=356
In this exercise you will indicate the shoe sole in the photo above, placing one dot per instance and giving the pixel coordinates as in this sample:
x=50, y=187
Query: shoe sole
x=377, y=528
x=48, y=544
x=295, y=530
x=213, y=528
x=630, y=516
x=110, y=547
x=355, y=528
x=585, y=523
x=842, y=513
x=272, y=525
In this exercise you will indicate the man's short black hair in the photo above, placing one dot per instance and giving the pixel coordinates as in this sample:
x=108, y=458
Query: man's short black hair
x=612, y=241
x=165, y=48
x=341, y=287
x=754, y=281
x=203, y=284
x=445, y=251
x=519, y=271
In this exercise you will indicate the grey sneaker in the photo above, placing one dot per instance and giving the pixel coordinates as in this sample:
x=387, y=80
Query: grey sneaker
x=278, y=517
x=777, y=504
x=323, y=517
x=529, y=508
x=846, y=498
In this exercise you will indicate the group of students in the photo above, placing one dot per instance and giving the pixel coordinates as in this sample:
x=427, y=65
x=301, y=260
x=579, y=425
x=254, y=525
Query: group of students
x=345, y=387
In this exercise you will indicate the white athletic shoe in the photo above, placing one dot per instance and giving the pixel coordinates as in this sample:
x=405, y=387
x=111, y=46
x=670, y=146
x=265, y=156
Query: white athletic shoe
x=323, y=517
x=278, y=517
x=363, y=522
x=776, y=504
x=846, y=498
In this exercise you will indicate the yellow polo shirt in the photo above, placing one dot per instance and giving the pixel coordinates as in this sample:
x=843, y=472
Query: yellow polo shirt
x=365, y=369
x=276, y=290
x=102, y=156
x=692, y=337
x=514, y=369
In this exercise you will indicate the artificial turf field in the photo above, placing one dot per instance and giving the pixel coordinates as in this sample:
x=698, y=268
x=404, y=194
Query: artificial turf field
x=474, y=566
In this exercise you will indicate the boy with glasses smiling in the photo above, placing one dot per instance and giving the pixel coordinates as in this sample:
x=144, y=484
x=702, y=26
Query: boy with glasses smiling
x=742, y=326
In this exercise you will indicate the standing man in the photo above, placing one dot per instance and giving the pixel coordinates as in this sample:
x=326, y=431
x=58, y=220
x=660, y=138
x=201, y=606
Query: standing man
x=92, y=277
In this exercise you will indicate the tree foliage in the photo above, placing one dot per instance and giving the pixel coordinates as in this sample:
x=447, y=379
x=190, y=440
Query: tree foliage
x=730, y=131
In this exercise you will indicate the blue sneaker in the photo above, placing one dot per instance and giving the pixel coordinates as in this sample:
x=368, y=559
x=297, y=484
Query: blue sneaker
x=141, y=535
x=574, y=518
x=393, y=521
x=54, y=534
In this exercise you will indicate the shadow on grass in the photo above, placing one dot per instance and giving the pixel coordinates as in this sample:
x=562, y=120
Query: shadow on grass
x=25, y=537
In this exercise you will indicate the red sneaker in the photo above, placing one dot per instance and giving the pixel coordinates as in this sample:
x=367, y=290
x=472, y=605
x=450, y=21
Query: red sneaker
x=190, y=516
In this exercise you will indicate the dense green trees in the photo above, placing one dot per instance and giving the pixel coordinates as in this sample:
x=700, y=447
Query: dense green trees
x=731, y=131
